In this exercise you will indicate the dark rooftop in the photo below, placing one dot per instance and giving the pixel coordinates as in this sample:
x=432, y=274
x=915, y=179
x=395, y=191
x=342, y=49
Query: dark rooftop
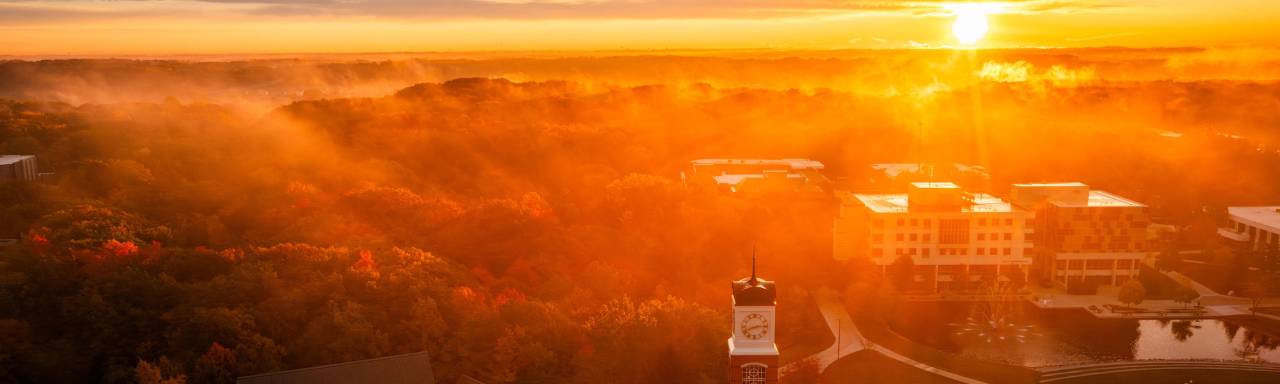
x=753, y=291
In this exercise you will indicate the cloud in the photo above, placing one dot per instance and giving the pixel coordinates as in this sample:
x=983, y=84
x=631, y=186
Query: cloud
x=45, y=10
x=1057, y=75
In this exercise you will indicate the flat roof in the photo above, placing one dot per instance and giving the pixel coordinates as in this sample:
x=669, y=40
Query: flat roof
x=1102, y=199
x=737, y=179
x=895, y=169
x=1262, y=216
x=935, y=185
x=1063, y=184
x=10, y=159
x=897, y=203
x=793, y=163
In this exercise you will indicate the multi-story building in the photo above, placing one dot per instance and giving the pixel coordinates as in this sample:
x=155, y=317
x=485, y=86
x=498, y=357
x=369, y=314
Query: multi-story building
x=754, y=176
x=949, y=234
x=1253, y=228
x=1083, y=237
x=18, y=167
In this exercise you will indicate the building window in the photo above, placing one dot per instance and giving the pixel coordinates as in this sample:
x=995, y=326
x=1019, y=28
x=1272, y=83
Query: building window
x=877, y=223
x=925, y=252
x=913, y=237
x=926, y=222
x=897, y=237
x=982, y=222
x=877, y=238
x=1008, y=221
x=926, y=237
x=877, y=252
x=914, y=222
x=982, y=236
x=1008, y=236
x=982, y=251
x=753, y=374
x=1008, y=251
x=901, y=222
x=953, y=231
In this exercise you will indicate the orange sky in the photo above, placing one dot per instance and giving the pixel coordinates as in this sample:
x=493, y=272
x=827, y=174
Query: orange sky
x=149, y=27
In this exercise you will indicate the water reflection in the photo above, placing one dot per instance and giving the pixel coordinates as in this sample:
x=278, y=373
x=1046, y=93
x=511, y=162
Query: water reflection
x=1022, y=334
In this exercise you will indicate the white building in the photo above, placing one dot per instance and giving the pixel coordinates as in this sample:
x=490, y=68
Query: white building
x=755, y=176
x=18, y=167
x=1255, y=228
x=1084, y=237
x=949, y=234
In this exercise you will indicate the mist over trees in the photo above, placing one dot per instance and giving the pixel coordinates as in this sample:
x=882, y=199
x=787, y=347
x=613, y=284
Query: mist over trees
x=519, y=231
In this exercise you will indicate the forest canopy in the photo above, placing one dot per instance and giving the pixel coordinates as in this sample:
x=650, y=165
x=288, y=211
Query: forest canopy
x=527, y=231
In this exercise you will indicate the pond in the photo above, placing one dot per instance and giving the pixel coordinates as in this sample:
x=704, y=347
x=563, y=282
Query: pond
x=1021, y=334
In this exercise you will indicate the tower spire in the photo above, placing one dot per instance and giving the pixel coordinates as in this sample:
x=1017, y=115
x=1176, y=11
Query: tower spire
x=753, y=265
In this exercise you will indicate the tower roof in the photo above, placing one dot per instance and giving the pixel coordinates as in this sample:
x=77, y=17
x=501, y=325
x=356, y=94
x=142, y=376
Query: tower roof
x=753, y=291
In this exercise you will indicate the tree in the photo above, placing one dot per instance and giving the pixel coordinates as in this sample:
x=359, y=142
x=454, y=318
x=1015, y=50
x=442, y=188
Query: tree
x=148, y=373
x=1185, y=295
x=902, y=272
x=805, y=371
x=1132, y=293
x=1256, y=291
x=217, y=366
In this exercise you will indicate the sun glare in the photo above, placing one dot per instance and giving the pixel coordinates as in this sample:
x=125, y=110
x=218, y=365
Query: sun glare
x=970, y=24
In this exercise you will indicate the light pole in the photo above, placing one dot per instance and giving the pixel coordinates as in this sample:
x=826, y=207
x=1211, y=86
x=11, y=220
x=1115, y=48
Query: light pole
x=839, y=332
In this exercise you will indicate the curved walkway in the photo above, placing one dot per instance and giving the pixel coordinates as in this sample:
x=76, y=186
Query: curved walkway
x=847, y=338
x=850, y=340
x=1053, y=374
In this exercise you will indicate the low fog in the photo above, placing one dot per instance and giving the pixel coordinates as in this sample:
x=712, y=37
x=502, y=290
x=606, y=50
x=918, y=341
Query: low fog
x=523, y=219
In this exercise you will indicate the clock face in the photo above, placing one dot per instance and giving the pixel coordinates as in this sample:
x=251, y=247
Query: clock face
x=755, y=326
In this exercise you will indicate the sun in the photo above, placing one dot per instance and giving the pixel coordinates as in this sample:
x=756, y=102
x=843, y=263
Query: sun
x=970, y=24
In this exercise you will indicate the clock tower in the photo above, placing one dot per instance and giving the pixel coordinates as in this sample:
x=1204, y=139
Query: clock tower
x=753, y=355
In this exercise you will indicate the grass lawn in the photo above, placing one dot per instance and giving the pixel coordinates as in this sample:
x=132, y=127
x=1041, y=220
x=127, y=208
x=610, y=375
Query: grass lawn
x=1180, y=377
x=808, y=346
x=1223, y=279
x=870, y=367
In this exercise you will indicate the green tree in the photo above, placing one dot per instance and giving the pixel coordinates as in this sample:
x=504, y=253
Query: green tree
x=1257, y=290
x=1132, y=292
x=805, y=371
x=1185, y=295
x=902, y=272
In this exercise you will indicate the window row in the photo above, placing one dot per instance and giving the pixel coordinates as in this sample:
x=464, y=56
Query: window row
x=877, y=252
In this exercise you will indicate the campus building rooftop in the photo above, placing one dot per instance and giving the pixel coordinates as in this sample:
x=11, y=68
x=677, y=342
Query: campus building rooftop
x=736, y=180
x=1263, y=216
x=790, y=163
x=899, y=203
x=1066, y=194
x=10, y=159
x=1103, y=199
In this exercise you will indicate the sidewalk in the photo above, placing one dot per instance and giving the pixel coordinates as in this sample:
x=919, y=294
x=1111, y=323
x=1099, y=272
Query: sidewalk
x=848, y=338
x=851, y=340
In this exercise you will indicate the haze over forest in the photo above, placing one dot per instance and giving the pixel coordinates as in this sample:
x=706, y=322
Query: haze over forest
x=521, y=217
